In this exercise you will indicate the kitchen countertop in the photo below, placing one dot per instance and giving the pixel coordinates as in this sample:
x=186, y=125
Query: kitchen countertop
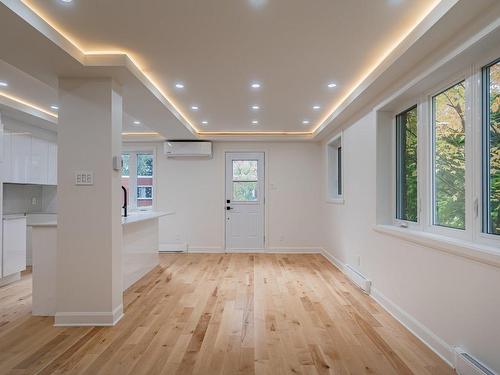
x=133, y=217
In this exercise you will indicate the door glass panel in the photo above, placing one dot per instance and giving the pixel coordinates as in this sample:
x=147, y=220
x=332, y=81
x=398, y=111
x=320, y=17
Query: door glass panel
x=245, y=177
x=245, y=191
x=244, y=170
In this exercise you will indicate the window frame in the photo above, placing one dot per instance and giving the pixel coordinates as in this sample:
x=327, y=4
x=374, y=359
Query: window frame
x=332, y=161
x=133, y=186
x=474, y=156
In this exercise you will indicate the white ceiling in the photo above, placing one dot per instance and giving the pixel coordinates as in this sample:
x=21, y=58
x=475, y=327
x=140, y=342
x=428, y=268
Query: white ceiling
x=217, y=48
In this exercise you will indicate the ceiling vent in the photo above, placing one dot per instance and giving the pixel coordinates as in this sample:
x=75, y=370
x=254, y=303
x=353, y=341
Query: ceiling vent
x=177, y=149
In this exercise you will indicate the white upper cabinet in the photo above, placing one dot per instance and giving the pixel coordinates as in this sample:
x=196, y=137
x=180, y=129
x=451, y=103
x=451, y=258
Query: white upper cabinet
x=52, y=164
x=28, y=160
x=21, y=158
x=6, y=165
x=39, y=161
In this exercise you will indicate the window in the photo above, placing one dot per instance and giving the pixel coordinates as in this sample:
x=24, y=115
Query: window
x=335, y=169
x=245, y=178
x=491, y=147
x=137, y=176
x=448, y=145
x=406, y=165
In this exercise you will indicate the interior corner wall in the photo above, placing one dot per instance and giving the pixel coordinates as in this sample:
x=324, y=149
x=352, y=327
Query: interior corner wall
x=445, y=299
x=194, y=189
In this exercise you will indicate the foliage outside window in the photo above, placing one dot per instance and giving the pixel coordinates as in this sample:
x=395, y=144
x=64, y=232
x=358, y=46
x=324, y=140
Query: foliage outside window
x=449, y=157
x=406, y=165
x=491, y=171
x=245, y=177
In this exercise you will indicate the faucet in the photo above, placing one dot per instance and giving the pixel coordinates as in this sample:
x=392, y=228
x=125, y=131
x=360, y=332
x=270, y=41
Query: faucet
x=124, y=201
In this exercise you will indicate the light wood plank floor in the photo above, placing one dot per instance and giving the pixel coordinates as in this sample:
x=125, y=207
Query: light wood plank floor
x=221, y=314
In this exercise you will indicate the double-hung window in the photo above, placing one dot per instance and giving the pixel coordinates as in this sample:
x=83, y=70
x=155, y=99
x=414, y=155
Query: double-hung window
x=138, y=178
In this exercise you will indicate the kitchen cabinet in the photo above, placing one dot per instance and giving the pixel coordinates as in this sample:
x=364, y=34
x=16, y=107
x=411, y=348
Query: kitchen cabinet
x=52, y=164
x=14, y=245
x=6, y=166
x=21, y=158
x=39, y=161
x=28, y=160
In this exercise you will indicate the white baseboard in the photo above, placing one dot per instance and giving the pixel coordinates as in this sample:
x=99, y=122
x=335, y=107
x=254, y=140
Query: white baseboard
x=424, y=334
x=10, y=279
x=173, y=247
x=269, y=250
x=83, y=319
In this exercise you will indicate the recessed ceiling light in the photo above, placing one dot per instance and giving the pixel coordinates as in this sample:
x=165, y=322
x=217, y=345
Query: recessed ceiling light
x=255, y=107
x=54, y=107
x=255, y=85
x=4, y=84
x=255, y=122
x=332, y=85
x=179, y=85
x=67, y=1
x=316, y=107
x=137, y=122
x=195, y=107
x=204, y=122
x=306, y=122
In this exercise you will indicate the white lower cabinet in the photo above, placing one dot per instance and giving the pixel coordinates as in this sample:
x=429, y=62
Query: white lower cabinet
x=14, y=246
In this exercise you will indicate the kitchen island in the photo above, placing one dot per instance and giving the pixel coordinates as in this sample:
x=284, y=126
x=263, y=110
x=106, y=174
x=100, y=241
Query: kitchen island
x=140, y=245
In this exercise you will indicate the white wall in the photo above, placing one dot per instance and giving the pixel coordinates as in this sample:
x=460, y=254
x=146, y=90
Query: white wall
x=194, y=189
x=446, y=299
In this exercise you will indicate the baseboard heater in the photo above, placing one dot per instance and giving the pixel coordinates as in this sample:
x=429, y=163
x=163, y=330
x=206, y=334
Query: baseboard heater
x=465, y=364
x=359, y=279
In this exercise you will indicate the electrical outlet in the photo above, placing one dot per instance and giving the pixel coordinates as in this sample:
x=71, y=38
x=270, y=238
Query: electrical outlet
x=33, y=201
x=282, y=238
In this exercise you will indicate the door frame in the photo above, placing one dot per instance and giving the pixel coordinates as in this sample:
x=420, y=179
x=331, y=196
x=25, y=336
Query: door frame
x=223, y=200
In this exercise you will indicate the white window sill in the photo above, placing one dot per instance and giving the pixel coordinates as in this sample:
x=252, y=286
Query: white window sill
x=478, y=252
x=335, y=200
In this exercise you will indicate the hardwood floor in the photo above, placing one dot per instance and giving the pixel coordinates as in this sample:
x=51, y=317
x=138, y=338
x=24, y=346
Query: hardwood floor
x=222, y=314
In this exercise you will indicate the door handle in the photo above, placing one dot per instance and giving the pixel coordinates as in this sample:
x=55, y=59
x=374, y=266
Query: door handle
x=228, y=208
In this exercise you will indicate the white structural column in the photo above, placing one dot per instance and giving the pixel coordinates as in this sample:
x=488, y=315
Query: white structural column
x=89, y=270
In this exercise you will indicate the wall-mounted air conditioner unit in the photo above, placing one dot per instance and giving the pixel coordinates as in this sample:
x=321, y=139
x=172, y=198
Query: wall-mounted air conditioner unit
x=175, y=149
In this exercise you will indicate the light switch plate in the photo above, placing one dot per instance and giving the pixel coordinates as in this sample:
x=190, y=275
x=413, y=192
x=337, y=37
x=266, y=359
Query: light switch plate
x=84, y=178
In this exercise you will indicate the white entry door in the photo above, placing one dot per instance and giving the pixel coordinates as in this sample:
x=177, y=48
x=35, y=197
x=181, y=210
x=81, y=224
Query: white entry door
x=244, y=201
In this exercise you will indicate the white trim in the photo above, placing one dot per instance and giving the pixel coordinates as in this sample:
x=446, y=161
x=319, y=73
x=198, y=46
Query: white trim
x=424, y=334
x=173, y=247
x=481, y=253
x=270, y=250
x=10, y=278
x=84, y=319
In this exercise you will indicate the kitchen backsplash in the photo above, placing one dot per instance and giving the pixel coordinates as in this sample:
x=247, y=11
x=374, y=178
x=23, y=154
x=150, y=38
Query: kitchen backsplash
x=18, y=199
